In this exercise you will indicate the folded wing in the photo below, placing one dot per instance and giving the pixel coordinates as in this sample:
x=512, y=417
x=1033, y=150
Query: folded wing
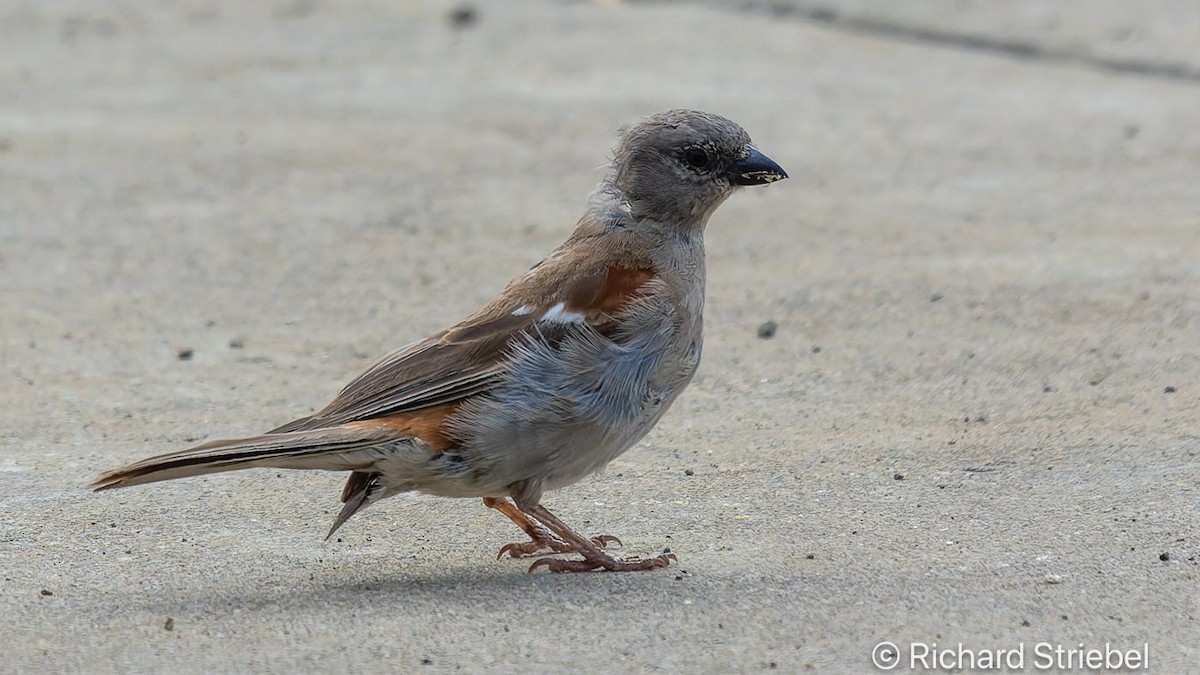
x=471, y=357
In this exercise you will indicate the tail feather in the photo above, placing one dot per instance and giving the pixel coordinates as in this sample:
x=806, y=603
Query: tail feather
x=330, y=449
x=361, y=489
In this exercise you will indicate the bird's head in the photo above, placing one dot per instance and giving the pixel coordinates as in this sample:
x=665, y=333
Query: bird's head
x=678, y=166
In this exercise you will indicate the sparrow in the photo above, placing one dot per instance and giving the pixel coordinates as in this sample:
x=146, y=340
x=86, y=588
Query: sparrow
x=566, y=369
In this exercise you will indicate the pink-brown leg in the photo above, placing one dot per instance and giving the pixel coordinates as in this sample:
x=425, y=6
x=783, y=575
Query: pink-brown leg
x=541, y=539
x=593, y=557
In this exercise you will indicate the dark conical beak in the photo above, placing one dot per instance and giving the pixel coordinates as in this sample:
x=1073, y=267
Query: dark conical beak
x=755, y=169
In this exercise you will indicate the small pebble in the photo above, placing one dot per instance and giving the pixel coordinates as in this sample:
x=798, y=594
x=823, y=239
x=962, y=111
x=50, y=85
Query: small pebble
x=184, y=354
x=463, y=16
x=169, y=624
x=1054, y=578
x=1164, y=556
x=1169, y=390
x=46, y=591
x=767, y=329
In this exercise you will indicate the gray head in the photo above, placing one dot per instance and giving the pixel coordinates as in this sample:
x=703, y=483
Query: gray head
x=678, y=166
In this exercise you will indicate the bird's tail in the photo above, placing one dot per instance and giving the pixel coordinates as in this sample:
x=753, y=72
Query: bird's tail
x=338, y=448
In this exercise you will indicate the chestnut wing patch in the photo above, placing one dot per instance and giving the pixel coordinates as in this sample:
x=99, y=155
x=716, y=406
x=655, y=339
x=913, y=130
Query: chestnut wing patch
x=620, y=287
x=598, y=299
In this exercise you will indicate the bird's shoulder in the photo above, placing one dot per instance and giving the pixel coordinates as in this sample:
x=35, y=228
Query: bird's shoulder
x=589, y=280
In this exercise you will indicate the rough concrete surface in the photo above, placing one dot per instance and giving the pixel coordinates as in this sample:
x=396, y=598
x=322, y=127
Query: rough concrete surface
x=976, y=424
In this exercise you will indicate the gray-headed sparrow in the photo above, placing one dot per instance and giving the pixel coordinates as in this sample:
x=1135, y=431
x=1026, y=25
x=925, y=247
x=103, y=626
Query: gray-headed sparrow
x=563, y=371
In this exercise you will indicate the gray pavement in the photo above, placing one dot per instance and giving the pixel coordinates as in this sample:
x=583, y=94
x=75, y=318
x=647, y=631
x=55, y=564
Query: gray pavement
x=977, y=423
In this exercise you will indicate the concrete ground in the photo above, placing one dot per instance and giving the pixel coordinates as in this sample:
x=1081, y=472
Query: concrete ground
x=977, y=423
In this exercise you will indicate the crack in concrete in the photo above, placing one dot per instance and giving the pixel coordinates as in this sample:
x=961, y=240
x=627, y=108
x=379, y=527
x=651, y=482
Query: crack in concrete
x=831, y=18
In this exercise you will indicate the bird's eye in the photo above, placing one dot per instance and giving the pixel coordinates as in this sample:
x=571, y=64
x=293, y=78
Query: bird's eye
x=696, y=158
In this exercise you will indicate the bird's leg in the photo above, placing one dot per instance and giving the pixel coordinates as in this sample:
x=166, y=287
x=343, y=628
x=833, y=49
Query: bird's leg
x=593, y=557
x=541, y=539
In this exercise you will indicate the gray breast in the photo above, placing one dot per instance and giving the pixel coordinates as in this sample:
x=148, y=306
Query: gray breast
x=568, y=409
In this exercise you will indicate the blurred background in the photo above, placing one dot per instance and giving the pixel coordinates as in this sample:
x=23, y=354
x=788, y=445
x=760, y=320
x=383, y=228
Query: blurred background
x=949, y=389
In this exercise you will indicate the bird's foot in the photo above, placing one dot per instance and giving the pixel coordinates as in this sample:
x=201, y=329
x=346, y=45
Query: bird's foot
x=550, y=542
x=597, y=560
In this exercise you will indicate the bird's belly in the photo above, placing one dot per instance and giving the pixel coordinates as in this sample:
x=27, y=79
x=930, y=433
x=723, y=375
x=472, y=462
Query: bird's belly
x=586, y=451
x=561, y=417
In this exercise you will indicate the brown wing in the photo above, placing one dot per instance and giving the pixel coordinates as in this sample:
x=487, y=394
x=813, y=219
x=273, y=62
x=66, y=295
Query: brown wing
x=470, y=358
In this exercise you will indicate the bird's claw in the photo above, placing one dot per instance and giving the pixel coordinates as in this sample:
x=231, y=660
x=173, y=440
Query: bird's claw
x=603, y=562
x=527, y=548
x=603, y=540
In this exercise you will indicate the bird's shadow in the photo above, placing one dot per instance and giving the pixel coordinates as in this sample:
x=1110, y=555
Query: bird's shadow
x=468, y=587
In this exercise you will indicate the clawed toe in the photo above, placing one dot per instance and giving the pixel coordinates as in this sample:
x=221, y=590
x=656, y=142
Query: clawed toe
x=603, y=562
x=547, y=532
x=603, y=540
x=518, y=550
x=534, y=546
